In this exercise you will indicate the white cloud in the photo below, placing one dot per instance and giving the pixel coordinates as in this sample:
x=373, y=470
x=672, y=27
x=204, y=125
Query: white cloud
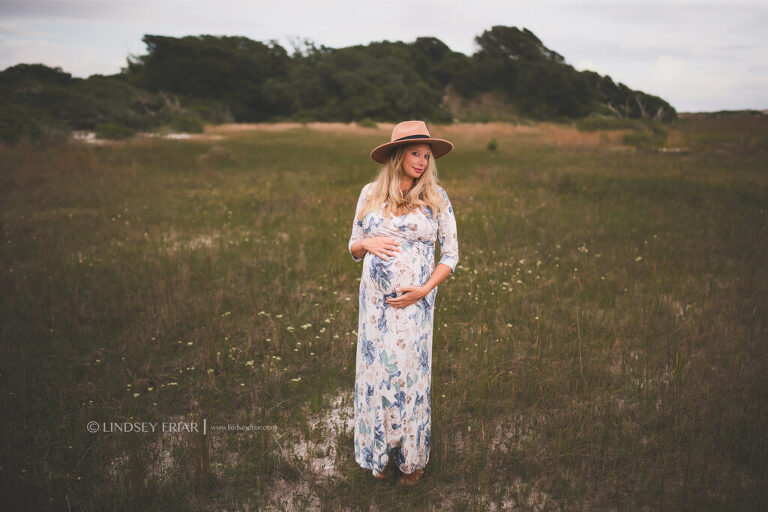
x=668, y=69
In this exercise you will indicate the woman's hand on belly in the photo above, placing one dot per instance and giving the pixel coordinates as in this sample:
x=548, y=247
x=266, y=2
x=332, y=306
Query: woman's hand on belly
x=382, y=246
x=410, y=295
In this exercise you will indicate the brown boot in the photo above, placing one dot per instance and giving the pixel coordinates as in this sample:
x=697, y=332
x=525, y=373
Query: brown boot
x=410, y=478
x=387, y=471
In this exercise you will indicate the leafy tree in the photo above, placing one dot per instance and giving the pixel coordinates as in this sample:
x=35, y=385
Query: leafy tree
x=232, y=69
x=221, y=78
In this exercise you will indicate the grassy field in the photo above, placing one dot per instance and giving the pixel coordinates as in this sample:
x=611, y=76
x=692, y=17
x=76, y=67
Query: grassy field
x=602, y=345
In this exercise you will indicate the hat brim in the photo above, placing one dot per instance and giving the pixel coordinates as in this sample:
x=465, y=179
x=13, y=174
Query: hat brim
x=440, y=147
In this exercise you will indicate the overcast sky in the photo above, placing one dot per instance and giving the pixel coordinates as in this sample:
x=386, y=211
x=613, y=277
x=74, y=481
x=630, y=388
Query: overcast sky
x=699, y=56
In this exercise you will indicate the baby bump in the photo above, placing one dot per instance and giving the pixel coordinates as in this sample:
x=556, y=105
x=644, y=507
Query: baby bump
x=402, y=268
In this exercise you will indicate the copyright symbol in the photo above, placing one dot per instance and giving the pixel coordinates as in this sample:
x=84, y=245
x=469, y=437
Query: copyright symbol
x=93, y=427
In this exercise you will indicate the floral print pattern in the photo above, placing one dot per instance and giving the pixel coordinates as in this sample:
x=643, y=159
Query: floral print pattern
x=393, y=370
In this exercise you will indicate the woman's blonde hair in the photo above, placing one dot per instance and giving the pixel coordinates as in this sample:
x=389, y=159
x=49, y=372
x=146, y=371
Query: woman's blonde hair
x=386, y=187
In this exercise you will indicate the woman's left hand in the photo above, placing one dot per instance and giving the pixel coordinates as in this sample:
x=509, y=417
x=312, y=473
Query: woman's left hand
x=411, y=295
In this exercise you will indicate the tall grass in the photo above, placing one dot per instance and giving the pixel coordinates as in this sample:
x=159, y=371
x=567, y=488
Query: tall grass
x=600, y=347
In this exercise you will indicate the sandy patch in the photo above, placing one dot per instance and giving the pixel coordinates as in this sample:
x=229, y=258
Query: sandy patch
x=515, y=431
x=520, y=495
x=160, y=456
x=174, y=241
x=90, y=137
x=185, y=136
x=321, y=455
x=174, y=244
x=291, y=496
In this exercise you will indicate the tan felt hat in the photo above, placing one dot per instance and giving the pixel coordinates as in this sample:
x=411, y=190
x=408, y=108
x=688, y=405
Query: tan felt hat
x=410, y=132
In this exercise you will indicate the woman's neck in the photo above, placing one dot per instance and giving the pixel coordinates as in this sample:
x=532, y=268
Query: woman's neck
x=405, y=184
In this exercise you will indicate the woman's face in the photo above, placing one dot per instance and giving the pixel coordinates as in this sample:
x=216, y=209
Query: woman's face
x=417, y=157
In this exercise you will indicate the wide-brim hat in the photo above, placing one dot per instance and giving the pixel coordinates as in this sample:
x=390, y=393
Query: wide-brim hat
x=411, y=132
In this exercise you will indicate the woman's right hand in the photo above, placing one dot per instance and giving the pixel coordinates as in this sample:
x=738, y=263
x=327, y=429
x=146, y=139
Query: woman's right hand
x=382, y=246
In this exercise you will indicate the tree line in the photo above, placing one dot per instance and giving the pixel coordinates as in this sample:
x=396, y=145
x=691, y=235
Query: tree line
x=193, y=79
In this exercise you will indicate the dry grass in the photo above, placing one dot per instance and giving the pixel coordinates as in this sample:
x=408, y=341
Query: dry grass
x=281, y=127
x=539, y=133
x=600, y=347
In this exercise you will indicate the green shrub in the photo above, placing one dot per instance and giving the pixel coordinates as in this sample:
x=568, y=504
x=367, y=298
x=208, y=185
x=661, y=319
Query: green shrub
x=113, y=131
x=439, y=116
x=493, y=145
x=20, y=122
x=17, y=123
x=187, y=124
x=645, y=140
x=656, y=128
x=591, y=124
x=367, y=123
x=647, y=133
x=210, y=111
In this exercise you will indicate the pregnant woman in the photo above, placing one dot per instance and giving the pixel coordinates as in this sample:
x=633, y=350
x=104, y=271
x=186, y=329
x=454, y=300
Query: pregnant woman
x=397, y=220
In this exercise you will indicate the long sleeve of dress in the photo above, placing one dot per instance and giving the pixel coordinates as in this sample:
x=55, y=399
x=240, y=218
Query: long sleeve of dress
x=447, y=236
x=357, y=225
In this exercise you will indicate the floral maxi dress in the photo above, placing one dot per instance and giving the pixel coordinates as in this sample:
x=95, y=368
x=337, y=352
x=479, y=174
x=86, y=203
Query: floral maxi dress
x=393, y=370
